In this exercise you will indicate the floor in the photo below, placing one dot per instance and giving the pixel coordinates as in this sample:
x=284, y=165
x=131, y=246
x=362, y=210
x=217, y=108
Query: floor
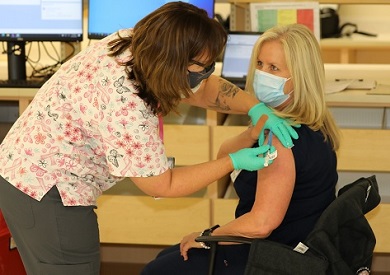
x=124, y=269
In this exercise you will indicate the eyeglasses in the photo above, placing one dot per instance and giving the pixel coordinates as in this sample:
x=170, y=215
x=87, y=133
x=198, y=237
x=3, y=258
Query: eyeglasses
x=206, y=68
x=195, y=78
x=198, y=63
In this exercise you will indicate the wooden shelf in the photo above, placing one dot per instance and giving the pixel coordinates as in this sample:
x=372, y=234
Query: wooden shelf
x=354, y=49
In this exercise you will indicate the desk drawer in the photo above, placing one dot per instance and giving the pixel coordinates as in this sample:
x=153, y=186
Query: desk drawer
x=358, y=117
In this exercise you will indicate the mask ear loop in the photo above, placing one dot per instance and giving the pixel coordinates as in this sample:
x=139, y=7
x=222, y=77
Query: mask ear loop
x=289, y=93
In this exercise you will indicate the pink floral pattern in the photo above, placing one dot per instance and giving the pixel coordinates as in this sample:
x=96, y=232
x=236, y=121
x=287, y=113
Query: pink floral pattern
x=85, y=130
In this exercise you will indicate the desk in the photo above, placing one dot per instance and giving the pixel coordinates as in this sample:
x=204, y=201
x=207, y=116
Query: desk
x=356, y=108
x=357, y=98
x=350, y=98
x=378, y=72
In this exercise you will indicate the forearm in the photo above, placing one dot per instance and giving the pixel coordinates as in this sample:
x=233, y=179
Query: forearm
x=189, y=179
x=183, y=181
x=247, y=225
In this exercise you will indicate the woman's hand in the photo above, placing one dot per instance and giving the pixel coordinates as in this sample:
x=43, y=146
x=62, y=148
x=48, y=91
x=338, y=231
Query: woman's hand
x=279, y=126
x=189, y=242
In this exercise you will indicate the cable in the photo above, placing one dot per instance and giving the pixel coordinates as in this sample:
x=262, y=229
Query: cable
x=71, y=54
x=45, y=71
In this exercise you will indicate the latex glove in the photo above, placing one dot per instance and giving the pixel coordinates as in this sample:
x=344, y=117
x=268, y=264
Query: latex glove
x=250, y=159
x=279, y=126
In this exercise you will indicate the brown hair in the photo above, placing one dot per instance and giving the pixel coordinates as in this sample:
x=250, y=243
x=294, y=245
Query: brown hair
x=163, y=45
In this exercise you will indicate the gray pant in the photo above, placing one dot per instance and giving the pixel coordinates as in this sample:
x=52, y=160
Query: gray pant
x=52, y=239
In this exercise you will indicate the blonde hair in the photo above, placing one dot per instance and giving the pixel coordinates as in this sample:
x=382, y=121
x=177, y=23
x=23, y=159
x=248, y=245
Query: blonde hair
x=304, y=61
x=163, y=45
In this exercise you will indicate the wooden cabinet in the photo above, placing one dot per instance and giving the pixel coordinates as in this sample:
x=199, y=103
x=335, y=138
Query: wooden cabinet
x=189, y=144
x=152, y=222
x=22, y=95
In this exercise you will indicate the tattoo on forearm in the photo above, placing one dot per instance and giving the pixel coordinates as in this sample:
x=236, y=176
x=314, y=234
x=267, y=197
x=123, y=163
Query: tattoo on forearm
x=226, y=92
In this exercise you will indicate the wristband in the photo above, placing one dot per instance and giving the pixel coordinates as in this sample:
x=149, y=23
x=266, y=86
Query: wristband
x=363, y=270
x=207, y=232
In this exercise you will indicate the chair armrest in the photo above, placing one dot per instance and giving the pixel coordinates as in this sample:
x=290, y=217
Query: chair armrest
x=214, y=239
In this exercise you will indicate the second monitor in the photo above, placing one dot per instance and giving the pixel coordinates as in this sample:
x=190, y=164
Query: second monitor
x=106, y=17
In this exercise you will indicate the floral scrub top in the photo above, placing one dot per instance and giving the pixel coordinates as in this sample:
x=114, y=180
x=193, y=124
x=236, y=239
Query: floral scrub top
x=85, y=130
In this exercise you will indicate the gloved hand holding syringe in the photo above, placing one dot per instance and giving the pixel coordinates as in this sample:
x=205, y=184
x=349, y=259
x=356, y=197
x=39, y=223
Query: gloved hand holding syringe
x=272, y=153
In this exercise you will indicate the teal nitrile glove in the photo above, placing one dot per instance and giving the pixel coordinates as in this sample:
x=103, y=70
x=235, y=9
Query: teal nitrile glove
x=249, y=159
x=279, y=126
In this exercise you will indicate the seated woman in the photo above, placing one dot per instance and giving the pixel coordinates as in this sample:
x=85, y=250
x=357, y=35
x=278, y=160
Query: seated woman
x=283, y=201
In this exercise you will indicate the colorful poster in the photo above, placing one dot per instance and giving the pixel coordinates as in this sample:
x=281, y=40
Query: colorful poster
x=267, y=15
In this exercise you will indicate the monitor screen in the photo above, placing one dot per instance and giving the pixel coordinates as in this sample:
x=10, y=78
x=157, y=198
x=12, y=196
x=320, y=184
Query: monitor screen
x=237, y=54
x=37, y=20
x=41, y=20
x=106, y=17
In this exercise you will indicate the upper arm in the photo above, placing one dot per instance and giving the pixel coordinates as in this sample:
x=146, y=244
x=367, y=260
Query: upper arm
x=275, y=186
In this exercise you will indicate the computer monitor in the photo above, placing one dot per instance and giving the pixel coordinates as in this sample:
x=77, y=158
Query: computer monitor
x=37, y=20
x=106, y=17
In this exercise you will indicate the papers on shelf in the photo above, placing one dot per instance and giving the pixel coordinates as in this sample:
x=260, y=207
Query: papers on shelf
x=266, y=15
x=339, y=85
x=333, y=86
x=380, y=89
x=362, y=84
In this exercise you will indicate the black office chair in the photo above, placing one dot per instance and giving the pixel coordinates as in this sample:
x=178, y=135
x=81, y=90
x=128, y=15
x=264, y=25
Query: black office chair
x=341, y=243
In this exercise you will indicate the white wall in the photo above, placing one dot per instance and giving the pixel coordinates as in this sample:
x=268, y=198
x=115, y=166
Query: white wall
x=369, y=18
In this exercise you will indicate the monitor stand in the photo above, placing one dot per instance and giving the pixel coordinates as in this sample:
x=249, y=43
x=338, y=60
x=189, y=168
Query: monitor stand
x=16, y=52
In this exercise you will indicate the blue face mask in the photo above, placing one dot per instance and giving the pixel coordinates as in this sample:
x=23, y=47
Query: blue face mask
x=269, y=88
x=195, y=78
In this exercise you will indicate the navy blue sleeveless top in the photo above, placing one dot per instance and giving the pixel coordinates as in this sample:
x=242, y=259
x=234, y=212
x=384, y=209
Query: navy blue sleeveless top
x=316, y=178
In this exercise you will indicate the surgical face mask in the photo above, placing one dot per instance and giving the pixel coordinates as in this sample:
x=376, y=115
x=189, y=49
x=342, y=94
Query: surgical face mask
x=269, y=88
x=195, y=89
x=196, y=78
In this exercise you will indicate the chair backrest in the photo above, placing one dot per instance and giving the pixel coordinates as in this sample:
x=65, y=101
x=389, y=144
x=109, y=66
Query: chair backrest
x=342, y=234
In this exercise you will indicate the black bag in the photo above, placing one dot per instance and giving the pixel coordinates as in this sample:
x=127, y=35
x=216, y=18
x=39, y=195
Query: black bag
x=329, y=23
x=271, y=258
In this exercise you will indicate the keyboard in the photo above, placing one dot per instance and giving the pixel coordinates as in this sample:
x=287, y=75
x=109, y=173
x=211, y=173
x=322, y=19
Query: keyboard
x=22, y=83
